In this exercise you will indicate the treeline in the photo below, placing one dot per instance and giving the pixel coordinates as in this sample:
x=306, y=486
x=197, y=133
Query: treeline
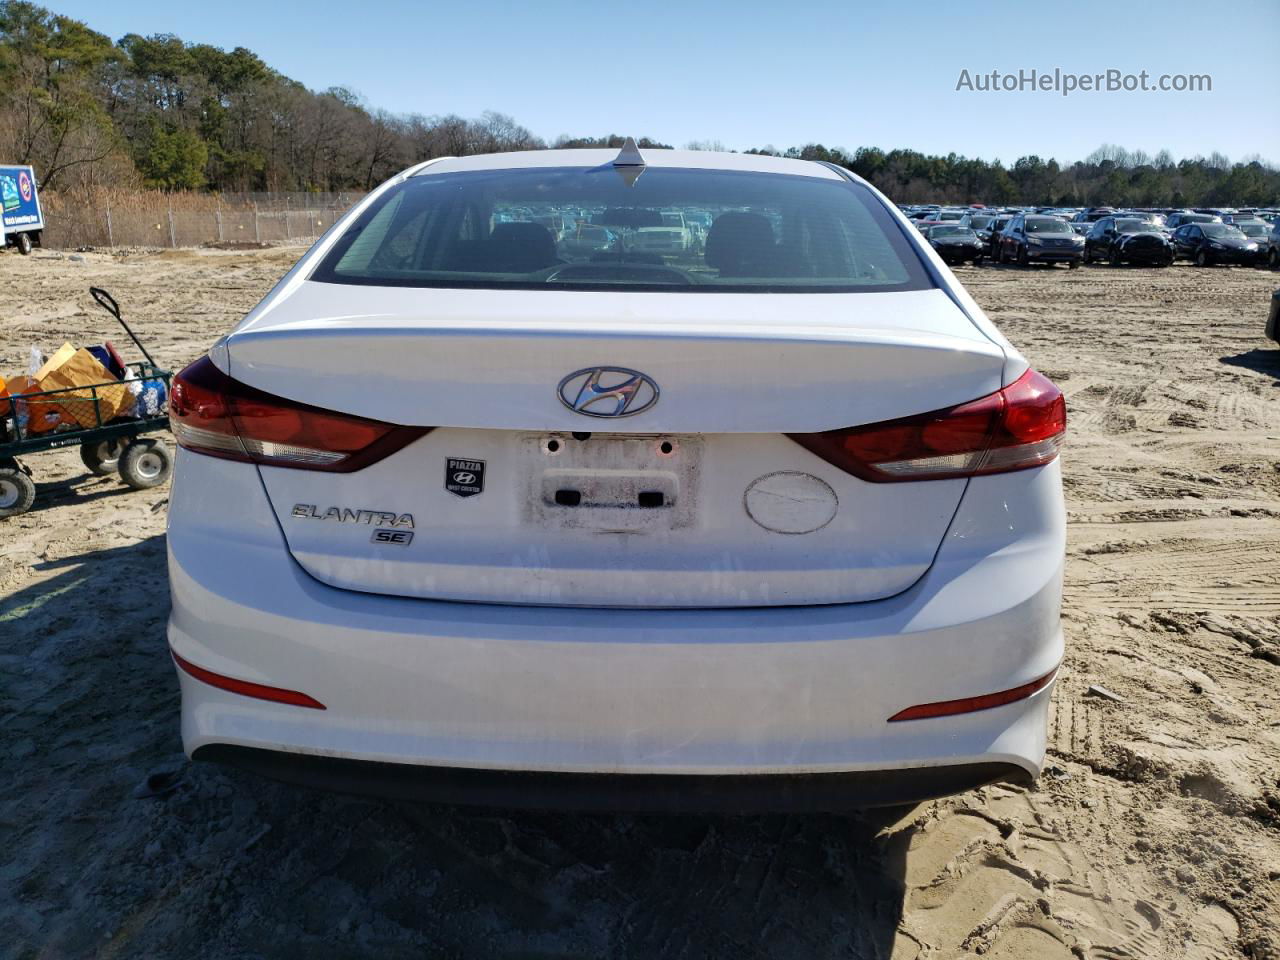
x=153, y=111
x=1110, y=175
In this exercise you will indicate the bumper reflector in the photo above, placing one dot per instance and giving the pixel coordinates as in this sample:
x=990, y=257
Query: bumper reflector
x=949, y=708
x=259, y=691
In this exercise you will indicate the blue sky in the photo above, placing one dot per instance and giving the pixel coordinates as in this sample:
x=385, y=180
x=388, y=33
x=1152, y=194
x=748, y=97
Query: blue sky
x=751, y=73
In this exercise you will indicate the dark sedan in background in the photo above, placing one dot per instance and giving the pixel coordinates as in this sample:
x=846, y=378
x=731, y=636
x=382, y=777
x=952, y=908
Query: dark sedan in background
x=1183, y=217
x=1258, y=231
x=1128, y=240
x=1210, y=243
x=956, y=244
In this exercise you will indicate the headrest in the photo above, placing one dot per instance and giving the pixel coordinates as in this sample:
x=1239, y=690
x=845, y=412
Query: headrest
x=741, y=245
x=520, y=248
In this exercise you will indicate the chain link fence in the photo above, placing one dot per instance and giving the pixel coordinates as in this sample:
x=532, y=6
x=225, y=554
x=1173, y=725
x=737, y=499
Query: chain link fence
x=154, y=220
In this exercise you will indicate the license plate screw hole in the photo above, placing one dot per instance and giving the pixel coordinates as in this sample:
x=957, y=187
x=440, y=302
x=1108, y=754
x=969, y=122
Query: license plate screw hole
x=552, y=445
x=666, y=448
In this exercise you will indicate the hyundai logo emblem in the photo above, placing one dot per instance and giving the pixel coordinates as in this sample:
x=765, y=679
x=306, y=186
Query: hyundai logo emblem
x=608, y=392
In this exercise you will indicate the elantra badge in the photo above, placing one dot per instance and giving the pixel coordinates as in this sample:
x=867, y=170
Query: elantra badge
x=381, y=518
x=608, y=392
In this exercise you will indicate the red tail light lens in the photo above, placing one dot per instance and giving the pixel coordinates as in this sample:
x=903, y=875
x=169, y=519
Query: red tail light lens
x=215, y=415
x=1015, y=428
x=259, y=691
x=951, y=708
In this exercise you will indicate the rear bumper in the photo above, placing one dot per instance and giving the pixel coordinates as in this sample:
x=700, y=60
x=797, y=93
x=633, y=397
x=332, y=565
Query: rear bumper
x=631, y=793
x=762, y=693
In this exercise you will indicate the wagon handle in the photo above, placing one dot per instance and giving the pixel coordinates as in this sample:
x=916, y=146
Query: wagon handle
x=108, y=303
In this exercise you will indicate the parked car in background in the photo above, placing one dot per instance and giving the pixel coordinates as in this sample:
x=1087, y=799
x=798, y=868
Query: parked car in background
x=1149, y=216
x=980, y=224
x=956, y=244
x=1176, y=220
x=1093, y=214
x=1207, y=244
x=672, y=236
x=994, y=231
x=469, y=541
x=939, y=216
x=1032, y=239
x=581, y=241
x=1273, y=246
x=1258, y=231
x=1124, y=239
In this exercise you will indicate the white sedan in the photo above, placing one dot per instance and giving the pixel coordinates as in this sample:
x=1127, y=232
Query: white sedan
x=460, y=514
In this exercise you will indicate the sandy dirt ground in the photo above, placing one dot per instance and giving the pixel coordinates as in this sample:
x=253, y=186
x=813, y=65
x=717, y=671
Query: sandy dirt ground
x=1154, y=833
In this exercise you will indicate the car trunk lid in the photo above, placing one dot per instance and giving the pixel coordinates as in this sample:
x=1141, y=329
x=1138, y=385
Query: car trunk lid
x=697, y=500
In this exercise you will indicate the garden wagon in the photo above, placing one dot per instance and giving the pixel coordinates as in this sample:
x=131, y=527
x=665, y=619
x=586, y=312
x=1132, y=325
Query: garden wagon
x=108, y=443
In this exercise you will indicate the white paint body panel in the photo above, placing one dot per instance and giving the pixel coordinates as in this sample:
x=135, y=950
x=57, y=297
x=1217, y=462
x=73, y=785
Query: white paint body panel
x=624, y=691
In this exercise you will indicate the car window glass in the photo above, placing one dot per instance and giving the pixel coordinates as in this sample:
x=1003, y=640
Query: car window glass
x=1047, y=225
x=673, y=229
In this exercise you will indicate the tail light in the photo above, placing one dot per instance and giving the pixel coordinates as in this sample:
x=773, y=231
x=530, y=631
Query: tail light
x=1015, y=428
x=951, y=708
x=246, y=688
x=213, y=414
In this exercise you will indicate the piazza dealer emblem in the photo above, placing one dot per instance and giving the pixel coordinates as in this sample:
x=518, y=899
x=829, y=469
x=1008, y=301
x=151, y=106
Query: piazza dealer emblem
x=608, y=392
x=464, y=477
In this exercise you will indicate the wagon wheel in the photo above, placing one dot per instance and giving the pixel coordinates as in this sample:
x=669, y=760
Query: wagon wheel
x=146, y=463
x=103, y=458
x=17, y=490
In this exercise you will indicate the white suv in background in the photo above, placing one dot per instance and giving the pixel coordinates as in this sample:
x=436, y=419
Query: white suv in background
x=466, y=512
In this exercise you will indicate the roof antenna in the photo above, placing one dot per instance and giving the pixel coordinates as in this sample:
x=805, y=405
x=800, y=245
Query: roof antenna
x=629, y=164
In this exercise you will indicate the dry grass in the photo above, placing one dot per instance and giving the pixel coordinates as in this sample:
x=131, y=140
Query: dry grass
x=115, y=216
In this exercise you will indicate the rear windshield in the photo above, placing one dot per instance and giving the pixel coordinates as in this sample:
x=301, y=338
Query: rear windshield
x=671, y=229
